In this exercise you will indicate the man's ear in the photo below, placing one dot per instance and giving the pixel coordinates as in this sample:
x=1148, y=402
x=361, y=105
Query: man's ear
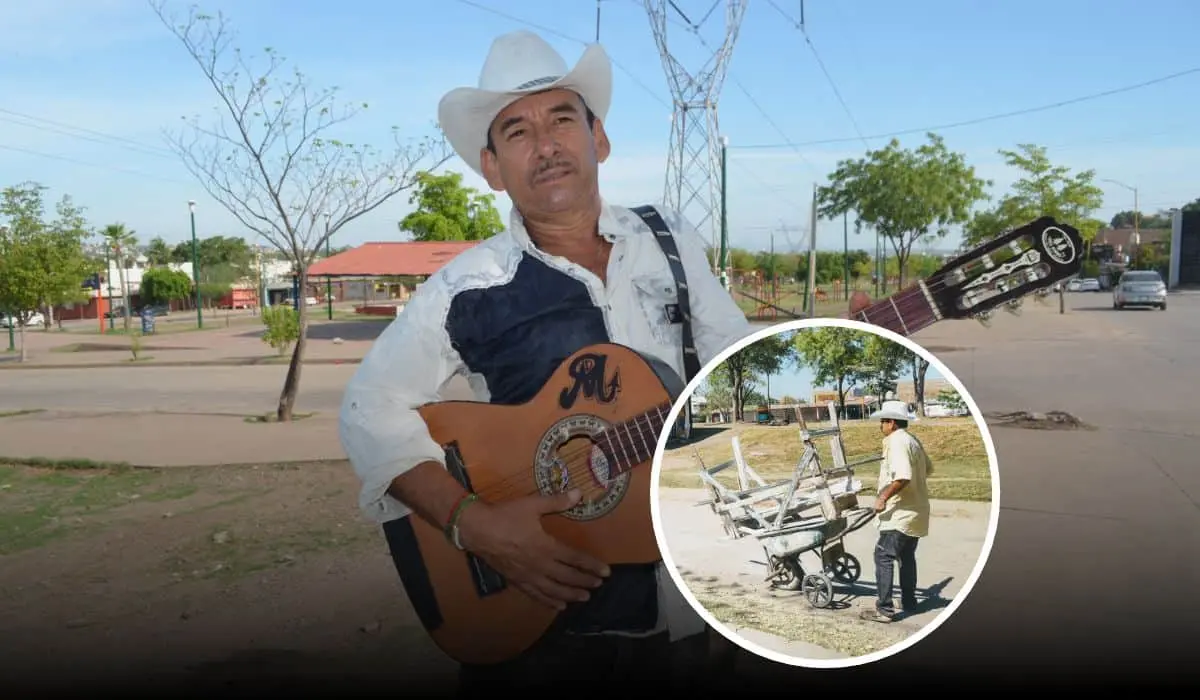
x=491, y=169
x=600, y=140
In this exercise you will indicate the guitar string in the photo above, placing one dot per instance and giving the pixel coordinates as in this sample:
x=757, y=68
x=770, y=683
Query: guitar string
x=576, y=461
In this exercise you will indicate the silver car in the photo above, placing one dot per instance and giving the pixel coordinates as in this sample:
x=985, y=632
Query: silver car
x=1140, y=288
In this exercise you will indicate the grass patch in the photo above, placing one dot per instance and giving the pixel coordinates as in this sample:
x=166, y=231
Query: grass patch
x=43, y=502
x=274, y=418
x=792, y=619
x=960, y=464
x=21, y=412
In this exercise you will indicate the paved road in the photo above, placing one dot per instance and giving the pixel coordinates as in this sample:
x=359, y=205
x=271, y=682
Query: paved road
x=187, y=389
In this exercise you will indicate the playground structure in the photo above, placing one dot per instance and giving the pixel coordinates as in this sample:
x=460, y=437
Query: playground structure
x=811, y=512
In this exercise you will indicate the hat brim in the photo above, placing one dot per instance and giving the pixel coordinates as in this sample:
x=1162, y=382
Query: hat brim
x=465, y=114
x=891, y=415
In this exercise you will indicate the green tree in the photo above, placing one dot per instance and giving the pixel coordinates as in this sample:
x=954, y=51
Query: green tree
x=41, y=263
x=448, y=211
x=739, y=372
x=1044, y=189
x=275, y=162
x=162, y=285
x=951, y=399
x=884, y=362
x=834, y=354
x=158, y=253
x=120, y=241
x=904, y=195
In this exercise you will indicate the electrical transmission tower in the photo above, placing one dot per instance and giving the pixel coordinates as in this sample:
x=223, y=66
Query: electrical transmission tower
x=693, y=184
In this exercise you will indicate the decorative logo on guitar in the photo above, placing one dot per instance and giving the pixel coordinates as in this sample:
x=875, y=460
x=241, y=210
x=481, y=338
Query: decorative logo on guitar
x=588, y=377
x=1058, y=245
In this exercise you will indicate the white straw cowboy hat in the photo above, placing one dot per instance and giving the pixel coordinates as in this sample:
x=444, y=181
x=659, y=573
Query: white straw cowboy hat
x=519, y=63
x=893, y=410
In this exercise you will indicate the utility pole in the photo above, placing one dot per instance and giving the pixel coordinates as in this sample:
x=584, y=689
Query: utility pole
x=846, y=254
x=108, y=281
x=724, y=216
x=774, y=287
x=812, y=257
x=196, y=265
x=328, y=278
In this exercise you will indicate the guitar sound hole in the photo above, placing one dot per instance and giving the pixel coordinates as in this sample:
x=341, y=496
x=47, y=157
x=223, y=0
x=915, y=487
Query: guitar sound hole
x=572, y=454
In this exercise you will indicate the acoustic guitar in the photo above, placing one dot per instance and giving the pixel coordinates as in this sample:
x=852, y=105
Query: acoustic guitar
x=595, y=426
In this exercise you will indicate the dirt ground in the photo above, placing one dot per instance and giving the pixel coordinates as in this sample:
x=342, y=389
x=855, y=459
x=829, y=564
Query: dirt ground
x=728, y=576
x=112, y=575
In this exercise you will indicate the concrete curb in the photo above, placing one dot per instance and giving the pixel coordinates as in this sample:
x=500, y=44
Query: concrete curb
x=226, y=362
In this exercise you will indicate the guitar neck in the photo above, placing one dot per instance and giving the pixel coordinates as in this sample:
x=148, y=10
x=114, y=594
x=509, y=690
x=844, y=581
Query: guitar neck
x=633, y=442
x=904, y=313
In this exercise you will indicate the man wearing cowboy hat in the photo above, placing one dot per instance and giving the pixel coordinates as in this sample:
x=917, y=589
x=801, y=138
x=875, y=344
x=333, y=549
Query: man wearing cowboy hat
x=571, y=270
x=902, y=510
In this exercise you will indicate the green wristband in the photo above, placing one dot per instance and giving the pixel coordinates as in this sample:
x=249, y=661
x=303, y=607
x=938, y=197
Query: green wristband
x=452, y=526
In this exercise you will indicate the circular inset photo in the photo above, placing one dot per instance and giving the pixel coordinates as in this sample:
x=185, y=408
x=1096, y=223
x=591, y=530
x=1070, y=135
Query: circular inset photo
x=837, y=496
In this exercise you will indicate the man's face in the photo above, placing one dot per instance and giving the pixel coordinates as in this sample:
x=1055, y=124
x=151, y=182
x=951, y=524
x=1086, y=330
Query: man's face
x=886, y=426
x=547, y=158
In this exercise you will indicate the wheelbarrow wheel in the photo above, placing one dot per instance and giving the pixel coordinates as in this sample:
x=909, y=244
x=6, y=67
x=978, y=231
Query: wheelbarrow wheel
x=847, y=568
x=786, y=573
x=818, y=589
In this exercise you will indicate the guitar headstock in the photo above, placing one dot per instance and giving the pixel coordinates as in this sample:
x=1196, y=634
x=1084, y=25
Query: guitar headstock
x=1000, y=272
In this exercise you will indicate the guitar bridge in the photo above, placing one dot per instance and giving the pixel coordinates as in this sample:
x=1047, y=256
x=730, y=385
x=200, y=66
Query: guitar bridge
x=487, y=580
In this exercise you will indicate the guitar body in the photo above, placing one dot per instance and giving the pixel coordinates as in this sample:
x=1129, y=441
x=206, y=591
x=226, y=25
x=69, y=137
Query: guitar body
x=588, y=422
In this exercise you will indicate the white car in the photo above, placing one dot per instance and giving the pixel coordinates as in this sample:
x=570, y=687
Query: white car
x=1140, y=288
x=1088, y=284
x=35, y=319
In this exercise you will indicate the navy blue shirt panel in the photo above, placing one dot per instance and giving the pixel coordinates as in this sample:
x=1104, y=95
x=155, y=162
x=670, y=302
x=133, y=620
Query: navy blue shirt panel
x=515, y=335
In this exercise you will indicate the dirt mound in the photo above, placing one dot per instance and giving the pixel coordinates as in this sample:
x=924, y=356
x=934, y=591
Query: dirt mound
x=1050, y=420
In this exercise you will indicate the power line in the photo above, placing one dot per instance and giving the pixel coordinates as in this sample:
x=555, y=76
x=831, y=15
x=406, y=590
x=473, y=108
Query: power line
x=53, y=156
x=102, y=137
x=993, y=117
x=568, y=37
x=821, y=64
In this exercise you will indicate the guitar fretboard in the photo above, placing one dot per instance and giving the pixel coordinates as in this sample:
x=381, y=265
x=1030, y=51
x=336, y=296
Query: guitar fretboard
x=632, y=442
x=904, y=313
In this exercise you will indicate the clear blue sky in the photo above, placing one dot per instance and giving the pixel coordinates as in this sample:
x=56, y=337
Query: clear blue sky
x=108, y=67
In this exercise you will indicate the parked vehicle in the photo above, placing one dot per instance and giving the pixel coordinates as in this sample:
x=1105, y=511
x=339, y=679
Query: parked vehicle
x=35, y=319
x=1140, y=288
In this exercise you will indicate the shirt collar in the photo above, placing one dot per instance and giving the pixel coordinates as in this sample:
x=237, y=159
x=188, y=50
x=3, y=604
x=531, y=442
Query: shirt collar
x=612, y=226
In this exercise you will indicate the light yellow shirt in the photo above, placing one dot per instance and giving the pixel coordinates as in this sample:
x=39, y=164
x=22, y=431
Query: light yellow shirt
x=904, y=458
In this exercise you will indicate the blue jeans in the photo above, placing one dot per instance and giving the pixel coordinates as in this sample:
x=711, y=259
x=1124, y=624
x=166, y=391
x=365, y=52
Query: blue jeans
x=894, y=546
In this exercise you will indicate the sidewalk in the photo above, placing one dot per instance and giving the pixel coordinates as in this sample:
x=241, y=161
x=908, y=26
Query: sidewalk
x=328, y=342
x=167, y=439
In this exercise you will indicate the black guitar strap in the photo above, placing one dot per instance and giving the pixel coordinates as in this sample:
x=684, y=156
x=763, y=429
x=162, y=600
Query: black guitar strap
x=666, y=241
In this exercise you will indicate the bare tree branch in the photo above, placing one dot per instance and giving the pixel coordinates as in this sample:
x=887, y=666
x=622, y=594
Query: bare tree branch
x=272, y=156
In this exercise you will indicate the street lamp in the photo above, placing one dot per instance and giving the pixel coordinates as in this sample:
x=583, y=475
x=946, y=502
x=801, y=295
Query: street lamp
x=196, y=265
x=328, y=278
x=1136, y=237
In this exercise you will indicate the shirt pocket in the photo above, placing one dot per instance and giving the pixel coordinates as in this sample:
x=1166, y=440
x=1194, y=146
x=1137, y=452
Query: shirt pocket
x=656, y=297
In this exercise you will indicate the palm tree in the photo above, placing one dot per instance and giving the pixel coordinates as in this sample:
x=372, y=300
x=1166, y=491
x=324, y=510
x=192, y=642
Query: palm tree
x=121, y=241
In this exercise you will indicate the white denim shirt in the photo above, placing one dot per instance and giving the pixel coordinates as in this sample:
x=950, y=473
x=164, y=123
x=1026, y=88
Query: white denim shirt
x=446, y=329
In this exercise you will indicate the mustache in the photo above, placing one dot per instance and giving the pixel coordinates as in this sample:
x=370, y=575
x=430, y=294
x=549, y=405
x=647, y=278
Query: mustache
x=550, y=164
